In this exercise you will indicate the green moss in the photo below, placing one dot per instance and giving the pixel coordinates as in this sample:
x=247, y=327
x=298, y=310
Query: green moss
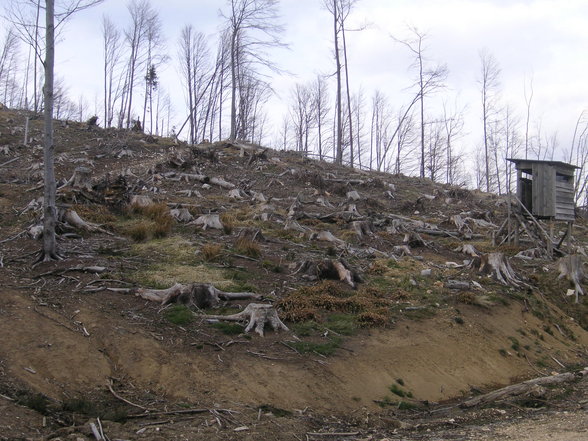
x=179, y=315
x=327, y=348
x=228, y=328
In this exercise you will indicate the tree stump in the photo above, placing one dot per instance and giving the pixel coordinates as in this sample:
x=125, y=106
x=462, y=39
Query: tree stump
x=197, y=295
x=498, y=266
x=258, y=315
x=572, y=268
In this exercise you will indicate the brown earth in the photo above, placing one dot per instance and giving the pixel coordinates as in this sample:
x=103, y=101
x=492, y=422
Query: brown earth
x=62, y=345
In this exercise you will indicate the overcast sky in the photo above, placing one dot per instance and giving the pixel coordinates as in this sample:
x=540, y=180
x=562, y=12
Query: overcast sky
x=542, y=40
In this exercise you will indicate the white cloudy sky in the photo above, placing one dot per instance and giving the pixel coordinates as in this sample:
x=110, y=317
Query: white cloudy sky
x=546, y=40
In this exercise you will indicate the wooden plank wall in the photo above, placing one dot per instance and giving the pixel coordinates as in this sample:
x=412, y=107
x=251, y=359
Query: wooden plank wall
x=564, y=196
x=544, y=190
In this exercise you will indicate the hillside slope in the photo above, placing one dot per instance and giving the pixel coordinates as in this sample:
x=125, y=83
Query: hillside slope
x=78, y=342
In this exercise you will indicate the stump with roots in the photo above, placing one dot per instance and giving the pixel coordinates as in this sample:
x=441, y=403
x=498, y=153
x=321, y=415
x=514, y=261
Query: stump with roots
x=258, y=315
x=499, y=266
x=572, y=268
x=197, y=295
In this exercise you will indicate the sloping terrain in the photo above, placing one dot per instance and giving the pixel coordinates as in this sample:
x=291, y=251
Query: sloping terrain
x=369, y=361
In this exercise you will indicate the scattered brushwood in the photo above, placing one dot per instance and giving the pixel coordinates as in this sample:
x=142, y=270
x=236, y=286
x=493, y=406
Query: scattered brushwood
x=572, y=268
x=369, y=307
x=414, y=240
x=330, y=270
x=258, y=315
x=535, y=388
x=498, y=265
x=195, y=295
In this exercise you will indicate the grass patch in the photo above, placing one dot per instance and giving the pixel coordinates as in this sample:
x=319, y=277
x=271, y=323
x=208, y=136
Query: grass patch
x=35, y=401
x=228, y=328
x=248, y=247
x=165, y=275
x=306, y=329
x=396, y=390
x=327, y=348
x=344, y=324
x=211, y=252
x=179, y=315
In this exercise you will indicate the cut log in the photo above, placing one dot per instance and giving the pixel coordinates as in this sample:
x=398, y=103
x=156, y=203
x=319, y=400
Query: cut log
x=209, y=221
x=572, y=268
x=258, y=315
x=524, y=388
x=402, y=250
x=498, y=266
x=197, y=295
x=353, y=195
x=460, y=285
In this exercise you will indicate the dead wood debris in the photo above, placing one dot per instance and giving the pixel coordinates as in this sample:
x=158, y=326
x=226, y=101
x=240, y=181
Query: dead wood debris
x=533, y=386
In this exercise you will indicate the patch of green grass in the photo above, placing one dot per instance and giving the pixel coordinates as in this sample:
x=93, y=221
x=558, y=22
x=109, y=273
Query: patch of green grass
x=405, y=405
x=228, y=328
x=400, y=381
x=516, y=346
x=327, y=348
x=306, y=329
x=79, y=405
x=344, y=324
x=179, y=315
x=503, y=352
x=396, y=390
x=458, y=320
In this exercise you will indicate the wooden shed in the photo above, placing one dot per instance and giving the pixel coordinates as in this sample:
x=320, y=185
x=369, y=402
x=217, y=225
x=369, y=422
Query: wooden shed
x=546, y=188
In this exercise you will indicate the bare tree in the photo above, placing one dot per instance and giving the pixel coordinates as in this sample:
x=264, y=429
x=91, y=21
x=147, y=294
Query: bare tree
x=55, y=16
x=320, y=103
x=112, y=52
x=489, y=82
x=528, y=101
x=252, y=27
x=453, y=124
x=302, y=114
x=9, y=49
x=428, y=81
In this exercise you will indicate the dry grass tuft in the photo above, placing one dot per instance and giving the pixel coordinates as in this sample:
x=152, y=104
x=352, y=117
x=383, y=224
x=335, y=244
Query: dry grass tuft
x=228, y=221
x=248, y=247
x=211, y=252
x=156, y=222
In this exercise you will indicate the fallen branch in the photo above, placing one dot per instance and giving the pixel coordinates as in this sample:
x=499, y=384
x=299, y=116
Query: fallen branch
x=109, y=385
x=523, y=388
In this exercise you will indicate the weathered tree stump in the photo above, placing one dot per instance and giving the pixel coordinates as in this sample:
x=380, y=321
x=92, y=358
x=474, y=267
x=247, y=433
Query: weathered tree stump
x=572, y=268
x=198, y=295
x=498, y=266
x=209, y=221
x=258, y=315
x=331, y=270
